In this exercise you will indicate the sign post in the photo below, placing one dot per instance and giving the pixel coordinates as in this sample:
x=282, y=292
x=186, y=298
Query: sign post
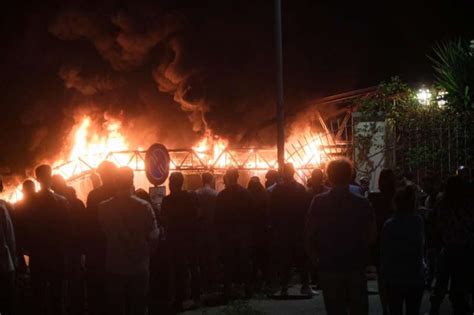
x=157, y=168
x=280, y=116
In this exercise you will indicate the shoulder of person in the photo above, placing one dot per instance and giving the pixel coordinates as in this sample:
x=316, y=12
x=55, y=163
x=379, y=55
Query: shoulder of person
x=92, y=194
x=321, y=196
x=223, y=192
x=300, y=186
x=361, y=200
x=191, y=193
x=106, y=203
x=60, y=198
x=139, y=201
x=388, y=223
x=92, y=197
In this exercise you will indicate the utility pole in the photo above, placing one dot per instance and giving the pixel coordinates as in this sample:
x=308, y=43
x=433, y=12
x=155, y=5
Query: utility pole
x=280, y=116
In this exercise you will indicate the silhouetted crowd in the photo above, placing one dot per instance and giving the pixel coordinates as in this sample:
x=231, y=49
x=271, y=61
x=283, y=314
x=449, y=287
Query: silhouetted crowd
x=121, y=253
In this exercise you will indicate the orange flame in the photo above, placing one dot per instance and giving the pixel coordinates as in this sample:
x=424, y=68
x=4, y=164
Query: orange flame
x=92, y=145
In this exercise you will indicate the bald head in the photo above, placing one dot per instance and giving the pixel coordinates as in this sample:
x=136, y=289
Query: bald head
x=107, y=172
x=43, y=175
x=176, y=182
x=231, y=177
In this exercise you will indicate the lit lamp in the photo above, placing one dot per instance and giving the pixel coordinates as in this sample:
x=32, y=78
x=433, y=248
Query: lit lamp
x=424, y=96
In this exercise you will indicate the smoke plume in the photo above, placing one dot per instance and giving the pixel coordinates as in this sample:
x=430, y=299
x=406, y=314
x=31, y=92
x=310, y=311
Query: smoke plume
x=126, y=43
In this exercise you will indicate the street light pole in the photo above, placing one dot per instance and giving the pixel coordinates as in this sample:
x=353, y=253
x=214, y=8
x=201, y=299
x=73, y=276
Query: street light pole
x=279, y=80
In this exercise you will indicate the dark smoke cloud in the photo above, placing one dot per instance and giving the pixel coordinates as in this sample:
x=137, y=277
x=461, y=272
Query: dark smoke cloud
x=126, y=43
x=171, y=78
x=121, y=41
x=88, y=85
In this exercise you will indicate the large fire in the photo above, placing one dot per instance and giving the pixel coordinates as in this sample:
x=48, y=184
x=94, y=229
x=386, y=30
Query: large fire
x=90, y=146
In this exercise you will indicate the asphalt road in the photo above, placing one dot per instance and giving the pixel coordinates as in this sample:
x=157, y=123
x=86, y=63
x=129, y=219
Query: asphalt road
x=300, y=307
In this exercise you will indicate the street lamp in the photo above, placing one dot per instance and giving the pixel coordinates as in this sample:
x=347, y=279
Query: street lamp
x=424, y=96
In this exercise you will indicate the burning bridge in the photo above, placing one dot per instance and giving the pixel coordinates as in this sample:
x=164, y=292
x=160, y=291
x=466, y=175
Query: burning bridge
x=308, y=147
x=306, y=154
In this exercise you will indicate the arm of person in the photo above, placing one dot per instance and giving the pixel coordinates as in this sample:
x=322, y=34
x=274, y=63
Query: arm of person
x=153, y=230
x=10, y=236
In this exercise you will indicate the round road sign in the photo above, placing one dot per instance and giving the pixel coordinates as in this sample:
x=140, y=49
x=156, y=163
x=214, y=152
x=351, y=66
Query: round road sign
x=157, y=164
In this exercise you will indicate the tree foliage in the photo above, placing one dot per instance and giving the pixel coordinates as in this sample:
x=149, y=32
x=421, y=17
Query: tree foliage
x=418, y=137
x=453, y=63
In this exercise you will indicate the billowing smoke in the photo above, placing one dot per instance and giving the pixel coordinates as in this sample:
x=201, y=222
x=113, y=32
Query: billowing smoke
x=127, y=44
x=173, y=79
x=88, y=85
x=118, y=39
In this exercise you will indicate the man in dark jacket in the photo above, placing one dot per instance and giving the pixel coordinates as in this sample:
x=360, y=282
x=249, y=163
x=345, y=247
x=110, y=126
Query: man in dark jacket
x=75, y=247
x=95, y=239
x=7, y=259
x=234, y=219
x=19, y=217
x=179, y=211
x=48, y=247
x=289, y=204
x=339, y=231
x=132, y=234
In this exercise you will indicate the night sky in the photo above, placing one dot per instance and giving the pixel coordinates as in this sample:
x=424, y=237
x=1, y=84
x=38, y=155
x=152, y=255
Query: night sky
x=139, y=60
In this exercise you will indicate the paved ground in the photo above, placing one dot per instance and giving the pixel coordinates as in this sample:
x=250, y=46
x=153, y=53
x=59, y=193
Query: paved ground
x=300, y=307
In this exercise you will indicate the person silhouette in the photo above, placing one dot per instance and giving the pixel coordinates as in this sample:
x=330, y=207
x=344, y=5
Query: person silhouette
x=48, y=247
x=94, y=241
x=131, y=235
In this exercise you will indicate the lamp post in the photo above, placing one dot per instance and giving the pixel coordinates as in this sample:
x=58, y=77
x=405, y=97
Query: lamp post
x=279, y=80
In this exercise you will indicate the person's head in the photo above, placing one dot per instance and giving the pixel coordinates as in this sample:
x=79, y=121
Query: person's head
x=339, y=172
x=143, y=194
x=231, y=176
x=405, y=200
x=288, y=172
x=43, y=175
x=387, y=181
x=28, y=188
x=176, y=182
x=207, y=179
x=107, y=172
x=255, y=184
x=317, y=178
x=124, y=179
x=58, y=184
x=271, y=178
x=71, y=192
